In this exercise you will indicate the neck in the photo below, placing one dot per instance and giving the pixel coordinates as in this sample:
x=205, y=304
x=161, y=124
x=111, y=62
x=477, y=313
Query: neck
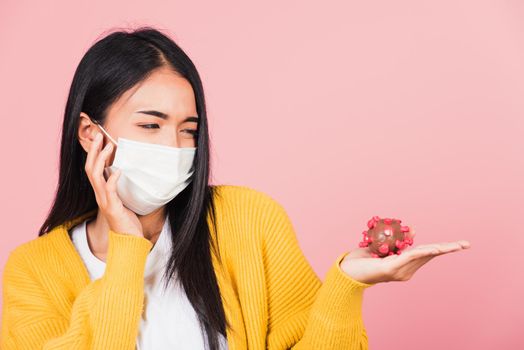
x=98, y=227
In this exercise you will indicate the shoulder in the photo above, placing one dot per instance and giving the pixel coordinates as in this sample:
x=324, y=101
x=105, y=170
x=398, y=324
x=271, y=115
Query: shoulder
x=16, y=261
x=36, y=249
x=251, y=208
x=245, y=197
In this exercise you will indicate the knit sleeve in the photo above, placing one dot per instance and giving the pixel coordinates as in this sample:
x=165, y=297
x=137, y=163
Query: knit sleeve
x=104, y=315
x=305, y=313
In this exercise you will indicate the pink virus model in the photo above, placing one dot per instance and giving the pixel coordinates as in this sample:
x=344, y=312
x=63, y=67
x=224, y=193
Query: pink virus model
x=386, y=237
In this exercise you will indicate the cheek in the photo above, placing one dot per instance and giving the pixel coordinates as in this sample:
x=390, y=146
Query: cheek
x=189, y=143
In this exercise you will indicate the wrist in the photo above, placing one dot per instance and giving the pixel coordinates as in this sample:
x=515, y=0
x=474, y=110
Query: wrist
x=348, y=266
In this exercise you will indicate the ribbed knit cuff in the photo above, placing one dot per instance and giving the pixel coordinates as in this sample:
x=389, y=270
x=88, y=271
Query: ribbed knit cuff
x=126, y=259
x=344, y=275
x=343, y=294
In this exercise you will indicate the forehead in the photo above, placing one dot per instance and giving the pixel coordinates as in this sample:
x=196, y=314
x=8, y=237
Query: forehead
x=164, y=90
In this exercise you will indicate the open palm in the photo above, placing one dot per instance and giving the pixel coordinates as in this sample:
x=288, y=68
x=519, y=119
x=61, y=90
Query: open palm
x=360, y=265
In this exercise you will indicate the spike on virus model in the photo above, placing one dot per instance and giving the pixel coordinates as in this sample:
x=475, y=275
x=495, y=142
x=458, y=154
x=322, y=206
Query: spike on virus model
x=386, y=237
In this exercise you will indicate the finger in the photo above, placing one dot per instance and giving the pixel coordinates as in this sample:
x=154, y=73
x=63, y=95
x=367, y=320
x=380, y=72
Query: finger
x=92, y=153
x=465, y=244
x=435, y=250
x=401, y=267
x=113, y=201
x=419, y=251
x=100, y=162
x=411, y=233
x=414, y=265
x=97, y=172
x=448, y=247
x=398, y=263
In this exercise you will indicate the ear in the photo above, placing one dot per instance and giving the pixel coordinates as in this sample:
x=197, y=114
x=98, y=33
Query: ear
x=87, y=131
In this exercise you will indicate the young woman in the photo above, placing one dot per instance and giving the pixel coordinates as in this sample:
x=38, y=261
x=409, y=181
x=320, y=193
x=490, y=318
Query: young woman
x=139, y=251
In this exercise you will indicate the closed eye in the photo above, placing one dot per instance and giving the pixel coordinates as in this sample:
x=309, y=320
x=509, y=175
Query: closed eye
x=156, y=126
x=147, y=126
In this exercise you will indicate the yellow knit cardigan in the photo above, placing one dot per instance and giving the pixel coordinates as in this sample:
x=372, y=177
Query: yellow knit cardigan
x=271, y=295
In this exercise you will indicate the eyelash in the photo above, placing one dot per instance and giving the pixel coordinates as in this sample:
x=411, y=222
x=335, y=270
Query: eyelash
x=144, y=126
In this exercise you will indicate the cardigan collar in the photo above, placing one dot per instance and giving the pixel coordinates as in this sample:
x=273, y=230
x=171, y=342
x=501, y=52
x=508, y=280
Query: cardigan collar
x=79, y=276
x=66, y=249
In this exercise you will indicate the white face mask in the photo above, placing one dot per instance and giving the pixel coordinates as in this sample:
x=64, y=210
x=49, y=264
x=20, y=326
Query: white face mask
x=151, y=174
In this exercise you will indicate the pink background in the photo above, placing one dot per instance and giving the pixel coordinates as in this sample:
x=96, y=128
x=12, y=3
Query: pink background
x=340, y=110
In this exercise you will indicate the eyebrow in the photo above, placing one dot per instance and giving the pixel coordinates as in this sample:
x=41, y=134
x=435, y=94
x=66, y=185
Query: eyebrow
x=165, y=116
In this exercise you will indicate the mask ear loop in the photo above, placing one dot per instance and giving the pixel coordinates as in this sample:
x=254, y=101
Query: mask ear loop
x=105, y=132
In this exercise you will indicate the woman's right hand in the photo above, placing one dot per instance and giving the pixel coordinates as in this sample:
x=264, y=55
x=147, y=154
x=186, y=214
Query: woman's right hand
x=119, y=218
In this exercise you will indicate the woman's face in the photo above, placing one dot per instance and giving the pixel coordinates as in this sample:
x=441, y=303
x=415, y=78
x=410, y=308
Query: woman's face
x=160, y=110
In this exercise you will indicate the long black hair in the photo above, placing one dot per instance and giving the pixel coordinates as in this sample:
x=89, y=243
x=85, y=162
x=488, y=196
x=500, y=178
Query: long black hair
x=113, y=65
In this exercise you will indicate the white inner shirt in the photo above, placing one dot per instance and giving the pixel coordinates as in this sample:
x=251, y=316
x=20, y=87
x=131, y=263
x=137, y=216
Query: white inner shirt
x=169, y=321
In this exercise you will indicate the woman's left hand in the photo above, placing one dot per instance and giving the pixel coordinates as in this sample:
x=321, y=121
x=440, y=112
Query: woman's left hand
x=361, y=266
